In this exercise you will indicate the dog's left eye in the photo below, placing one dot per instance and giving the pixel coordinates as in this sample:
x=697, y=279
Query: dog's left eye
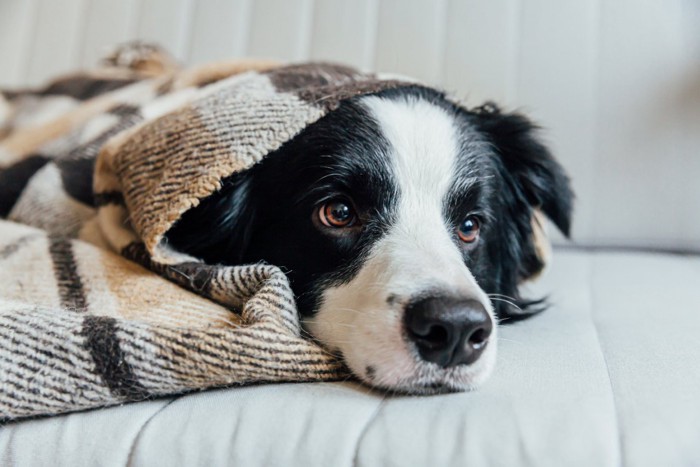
x=337, y=213
x=468, y=230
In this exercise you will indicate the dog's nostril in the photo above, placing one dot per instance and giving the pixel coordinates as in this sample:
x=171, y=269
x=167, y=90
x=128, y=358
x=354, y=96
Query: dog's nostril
x=478, y=338
x=448, y=331
x=435, y=336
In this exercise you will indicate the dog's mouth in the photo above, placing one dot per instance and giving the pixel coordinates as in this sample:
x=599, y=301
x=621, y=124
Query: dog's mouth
x=389, y=351
x=426, y=378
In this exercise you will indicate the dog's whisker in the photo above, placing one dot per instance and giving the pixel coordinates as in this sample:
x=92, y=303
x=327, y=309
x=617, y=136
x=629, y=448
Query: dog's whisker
x=505, y=300
x=490, y=295
x=508, y=302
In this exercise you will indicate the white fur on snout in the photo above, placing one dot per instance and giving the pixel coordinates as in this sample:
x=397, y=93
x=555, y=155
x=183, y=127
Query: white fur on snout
x=417, y=256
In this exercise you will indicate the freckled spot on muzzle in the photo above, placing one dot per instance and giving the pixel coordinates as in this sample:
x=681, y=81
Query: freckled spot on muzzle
x=370, y=371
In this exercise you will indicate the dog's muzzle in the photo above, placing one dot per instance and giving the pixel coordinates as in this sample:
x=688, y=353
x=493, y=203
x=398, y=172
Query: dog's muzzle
x=448, y=331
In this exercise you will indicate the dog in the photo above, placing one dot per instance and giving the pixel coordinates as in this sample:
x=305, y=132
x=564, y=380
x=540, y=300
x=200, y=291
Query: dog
x=405, y=224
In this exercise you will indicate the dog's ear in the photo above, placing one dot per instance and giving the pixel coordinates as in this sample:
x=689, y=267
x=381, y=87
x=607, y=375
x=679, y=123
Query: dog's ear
x=218, y=229
x=535, y=185
x=542, y=181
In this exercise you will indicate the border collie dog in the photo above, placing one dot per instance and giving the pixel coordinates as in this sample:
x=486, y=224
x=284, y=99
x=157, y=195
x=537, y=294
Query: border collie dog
x=405, y=224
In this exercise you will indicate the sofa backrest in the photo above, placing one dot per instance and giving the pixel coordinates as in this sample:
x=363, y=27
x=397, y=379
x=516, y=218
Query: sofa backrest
x=616, y=83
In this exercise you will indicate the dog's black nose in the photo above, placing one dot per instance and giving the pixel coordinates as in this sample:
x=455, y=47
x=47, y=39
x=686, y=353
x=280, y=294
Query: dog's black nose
x=448, y=331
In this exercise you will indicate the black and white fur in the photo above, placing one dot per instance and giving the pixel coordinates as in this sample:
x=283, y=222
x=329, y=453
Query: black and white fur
x=414, y=165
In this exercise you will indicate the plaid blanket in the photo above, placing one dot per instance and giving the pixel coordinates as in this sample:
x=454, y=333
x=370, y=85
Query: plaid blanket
x=95, y=308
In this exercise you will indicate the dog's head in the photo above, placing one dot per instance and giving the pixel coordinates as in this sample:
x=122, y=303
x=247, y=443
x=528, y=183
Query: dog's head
x=405, y=224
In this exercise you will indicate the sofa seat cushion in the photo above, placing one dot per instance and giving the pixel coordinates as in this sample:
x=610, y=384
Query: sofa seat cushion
x=608, y=376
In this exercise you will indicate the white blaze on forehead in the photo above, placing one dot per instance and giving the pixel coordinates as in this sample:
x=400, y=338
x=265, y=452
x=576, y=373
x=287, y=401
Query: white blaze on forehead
x=423, y=149
x=423, y=142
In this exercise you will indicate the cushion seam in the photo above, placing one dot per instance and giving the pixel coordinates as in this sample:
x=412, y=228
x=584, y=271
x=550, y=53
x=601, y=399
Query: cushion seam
x=143, y=427
x=365, y=429
x=621, y=452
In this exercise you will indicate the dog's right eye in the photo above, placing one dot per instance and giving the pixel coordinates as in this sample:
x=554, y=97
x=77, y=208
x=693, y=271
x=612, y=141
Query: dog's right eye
x=468, y=230
x=337, y=214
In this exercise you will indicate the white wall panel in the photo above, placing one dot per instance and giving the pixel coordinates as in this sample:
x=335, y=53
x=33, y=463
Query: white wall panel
x=638, y=194
x=616, y=83
x=411, y=38
x=57, y=39
x=556, y=85
x=686, y=98
x=345, y=31
x=481, y=49
x=281, y=29
x=107, y=23
x=220, y=30
x=17, y=21
x=167, y=22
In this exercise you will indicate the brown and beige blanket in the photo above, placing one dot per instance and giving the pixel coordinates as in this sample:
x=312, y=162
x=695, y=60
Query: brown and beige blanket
x=95, y=308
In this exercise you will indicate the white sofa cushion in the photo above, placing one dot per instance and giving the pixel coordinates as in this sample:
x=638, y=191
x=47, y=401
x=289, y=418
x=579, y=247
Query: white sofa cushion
x=608, y=376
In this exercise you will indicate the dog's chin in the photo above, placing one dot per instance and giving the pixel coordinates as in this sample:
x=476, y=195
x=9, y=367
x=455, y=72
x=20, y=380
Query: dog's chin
x=425, y=378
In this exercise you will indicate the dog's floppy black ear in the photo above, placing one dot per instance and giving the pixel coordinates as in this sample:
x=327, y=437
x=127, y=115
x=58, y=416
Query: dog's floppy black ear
x=218, y=229
x=543, y=182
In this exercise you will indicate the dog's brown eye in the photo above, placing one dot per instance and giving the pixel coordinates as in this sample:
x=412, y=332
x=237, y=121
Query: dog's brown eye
x=336, y=214
x=468, y=230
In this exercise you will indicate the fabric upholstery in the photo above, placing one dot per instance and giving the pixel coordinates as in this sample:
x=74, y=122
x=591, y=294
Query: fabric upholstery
x=608, y=376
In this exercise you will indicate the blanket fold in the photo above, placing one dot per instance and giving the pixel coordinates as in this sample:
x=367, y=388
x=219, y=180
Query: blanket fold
x=84, y=328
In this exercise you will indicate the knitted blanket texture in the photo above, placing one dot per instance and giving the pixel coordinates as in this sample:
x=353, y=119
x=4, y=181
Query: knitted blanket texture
x=95, y=308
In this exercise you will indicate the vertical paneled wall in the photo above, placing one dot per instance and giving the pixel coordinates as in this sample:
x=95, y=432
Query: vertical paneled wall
x=615, y=83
